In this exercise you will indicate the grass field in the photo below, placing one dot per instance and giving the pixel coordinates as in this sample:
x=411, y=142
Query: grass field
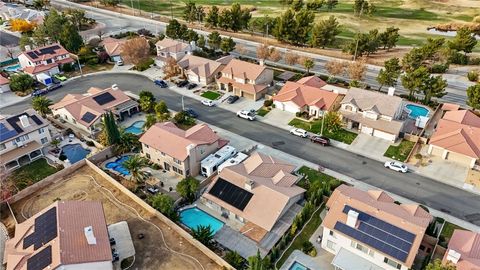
x=401, y=151
x=31, y=173
x=211, y=95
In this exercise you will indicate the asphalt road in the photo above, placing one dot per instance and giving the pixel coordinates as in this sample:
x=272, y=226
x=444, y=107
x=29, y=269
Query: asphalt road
x=7, y=39
x=423, y=190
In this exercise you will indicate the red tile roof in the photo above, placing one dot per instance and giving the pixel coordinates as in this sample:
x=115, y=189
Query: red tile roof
x=303, y=95
x=466, y=243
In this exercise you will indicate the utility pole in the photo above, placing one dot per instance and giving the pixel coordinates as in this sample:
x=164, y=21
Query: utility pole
x=133, y=10
x=79, y=65
x=356, y=46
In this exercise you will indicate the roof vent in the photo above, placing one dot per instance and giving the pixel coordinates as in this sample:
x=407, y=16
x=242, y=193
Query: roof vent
x=28, y=48
x=89, y=235
x=453, y=256
x=352, y=218
x=24, y=121
x=249, y=184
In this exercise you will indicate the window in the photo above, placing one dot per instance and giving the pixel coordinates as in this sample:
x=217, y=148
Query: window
x=331, y=233
x=392, y=263
x=144, y=145
x=2, y=146
x=41, y=130
x=148, y=155
x=177, y=170
x=330, y=245
x=22, y=138
x=177, y=161
x=44, y=140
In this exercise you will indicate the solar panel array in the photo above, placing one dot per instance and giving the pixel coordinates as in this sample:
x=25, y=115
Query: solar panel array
x=88, y=117
x=40, y=260
x=36, y=120
x=231, y=194
x=104, y=98
x=6, y=133
x=45, y=230
x=13, y=122
x=40, y=52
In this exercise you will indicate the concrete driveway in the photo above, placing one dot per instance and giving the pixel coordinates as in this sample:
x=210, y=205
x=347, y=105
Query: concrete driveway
x=124, y=244
x=369, y=146
x=240, y=104
x=278, y=118
x=443, y=170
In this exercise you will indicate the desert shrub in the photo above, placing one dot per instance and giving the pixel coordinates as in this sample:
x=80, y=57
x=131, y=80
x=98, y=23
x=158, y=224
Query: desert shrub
x=268, y=103
x=472, y=76
x=439, y=68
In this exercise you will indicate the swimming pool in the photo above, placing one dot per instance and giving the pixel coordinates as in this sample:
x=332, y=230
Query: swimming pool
x=136, y=128
x=297, y=266
x=13, y=68
x=193, y=217
x=75, y=152
x=415, y=111
x=117, y=165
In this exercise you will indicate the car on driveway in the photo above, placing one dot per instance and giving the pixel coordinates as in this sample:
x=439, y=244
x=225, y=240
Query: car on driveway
x=208, y=102
x=190, y=112
x=161, y=83
x=60, y=77
x=299, y=132
x=120, y=62
x=396, y=166
x=152, y=190
x=320, y=140
x=182, y=84
x=232, y=99
x=190, y=86
x=246, y=115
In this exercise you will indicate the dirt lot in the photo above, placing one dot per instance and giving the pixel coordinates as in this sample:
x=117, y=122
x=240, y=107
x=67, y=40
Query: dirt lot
x=151, y=251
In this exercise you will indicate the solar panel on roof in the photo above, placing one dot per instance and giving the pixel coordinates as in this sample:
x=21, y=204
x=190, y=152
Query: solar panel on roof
x=6, y=133
x=40, y=260
x=45, y=230
x=13, y=122
x=231, y=194
x=32, y=55
x=36, y=120
x=48, y=50
x=88, y=117
x=104, y=98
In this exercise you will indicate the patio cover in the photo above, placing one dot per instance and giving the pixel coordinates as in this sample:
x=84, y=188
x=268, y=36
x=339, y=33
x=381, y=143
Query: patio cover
x=19, y=152
x=286, y=75
x=347, y=260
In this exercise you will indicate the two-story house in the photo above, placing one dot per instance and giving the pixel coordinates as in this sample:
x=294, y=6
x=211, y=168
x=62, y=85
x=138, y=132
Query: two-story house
x=367, y=230
x=198, y=69
x=44, y=60
x=373, y=113
x=22, y=138
x=85, y=111
x=171, y=48
x=245, y=79
x=177, y=150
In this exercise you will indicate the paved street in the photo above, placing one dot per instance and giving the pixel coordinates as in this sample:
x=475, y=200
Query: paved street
x=456, y=202
x=7, y=39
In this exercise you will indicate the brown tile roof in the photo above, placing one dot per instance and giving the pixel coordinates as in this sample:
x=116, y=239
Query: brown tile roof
x=366, y=99
x=199, y=66
x=466, y=243
x=379, y=204
x=173, y=141
x=312, y=81
x=459, y=132
x=274, y=187
x=113, y=46
x=392, y=127
x=303, y=95
x=4, y=80
x=243, y=69
x=45, y=56
x=247, y=87
x=170, y=45
x=70, y=246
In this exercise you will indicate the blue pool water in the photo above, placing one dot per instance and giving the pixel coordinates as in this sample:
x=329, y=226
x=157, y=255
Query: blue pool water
x=136, y=128
x=117, y=165
x=416, y=111
x=13, y=68
x=193, y=217
x=75, y=152
x=297, y=266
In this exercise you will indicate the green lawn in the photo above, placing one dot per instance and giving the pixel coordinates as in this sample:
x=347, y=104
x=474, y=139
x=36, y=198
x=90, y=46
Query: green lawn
x=342, y=135
x=262, y=111
x=32, y=173
x=401, y=151
x=314, y=176
x=448, y=229
x=211, y=95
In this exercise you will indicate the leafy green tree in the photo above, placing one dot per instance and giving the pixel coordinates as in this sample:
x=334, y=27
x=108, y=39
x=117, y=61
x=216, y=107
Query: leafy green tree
x=227, y=45
x=41, y=105
x=182, y=118
x=189, y=13
x=164, y=204
x=437, y=265
x=413, y=79
x=225, y=19
x=239, y=17
x=284, y=26
x=473, y=96
x=363, y=44
x=200, y=14
x=234, y=259
x=77, y=17
x=261, y=24
x=134, y=165
x=112, y=3
x=297, y=5
x=212, y=17
x=331, y=4
x=433, y=86
x=389, y=38
x=150, y=120
x=128, y=142
x=308, y=64
x=173, y=29
x=201, y=42
x=21, y=82
x=187, y=188
x=161, y=111
x=389, y=74
x=191, y=35
x=361, y=7
x=214, y=40
x=70, y=38
x=204, y=234
x=110, y=129
x=315, y=4
x=256, y=262
x=303, y=26
x=413, y=60
x=40, y=4
x=464, y=41
x=53, y=25
x=324, y=32
x=148, y=98
x=55, y=143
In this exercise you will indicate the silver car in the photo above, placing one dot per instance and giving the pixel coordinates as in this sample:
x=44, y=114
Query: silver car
x=396, y=166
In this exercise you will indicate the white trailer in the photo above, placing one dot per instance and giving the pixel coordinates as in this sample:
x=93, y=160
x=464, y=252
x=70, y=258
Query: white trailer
x=209, y=165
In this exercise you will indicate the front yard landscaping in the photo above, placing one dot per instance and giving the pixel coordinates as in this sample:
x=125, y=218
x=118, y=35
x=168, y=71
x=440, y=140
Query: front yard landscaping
x=211, y=95
x=313, y=176
x=32, y=173
x=401, y=151
x=341, y=135
x=262, y=111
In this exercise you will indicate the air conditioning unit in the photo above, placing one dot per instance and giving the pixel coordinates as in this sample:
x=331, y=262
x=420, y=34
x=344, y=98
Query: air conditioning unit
x=20, y=144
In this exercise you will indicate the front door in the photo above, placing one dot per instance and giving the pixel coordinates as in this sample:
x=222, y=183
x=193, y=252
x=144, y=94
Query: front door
x=166, y=166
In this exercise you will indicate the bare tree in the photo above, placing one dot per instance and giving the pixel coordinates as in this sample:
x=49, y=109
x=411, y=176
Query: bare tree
x=262, y=53
x=291, y=58
x=274, y=55
x=100, y=33
x=241, y=49
x=10, y=51
x=335, y=68
x=356, y=69
x=135, y=50
x=170, y=68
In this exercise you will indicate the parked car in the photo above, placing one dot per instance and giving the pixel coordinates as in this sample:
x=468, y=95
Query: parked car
x=299, y=132
x=232, y=99
x=208, y=102
x=54, y=87
x=182, y=84
x=60, y=77
x=120, y=62
x=190, y=112
x=396, y=166
x=152, y=190
x=246, y=115
x=190, y=86
x=39, y=92
x=161, y=83
x=320, y=140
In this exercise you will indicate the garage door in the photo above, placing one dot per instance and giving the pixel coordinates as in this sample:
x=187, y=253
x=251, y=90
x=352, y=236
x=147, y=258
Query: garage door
x=367, y=130
x=438, y=152
x=384, y=135
x=289, y=107
x=459, y=158
x=247, y=95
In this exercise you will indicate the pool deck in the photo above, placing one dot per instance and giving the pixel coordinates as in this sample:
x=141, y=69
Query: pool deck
x=302, y=258
x=134, y=118
x=65, y=140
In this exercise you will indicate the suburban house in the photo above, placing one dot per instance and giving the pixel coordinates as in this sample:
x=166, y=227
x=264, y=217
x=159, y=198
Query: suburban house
x=10, y=12
x=306, y=95
x=45, y=60
x=65, y=235
x=457, y=138
x=113, y=47
x=367, y=230
x=4, y=84
x=463, y=250
x=22, y=138
x=85, y=111
x=199, y=69
x=171, y=48
x=258, y=193
x=245, y=79
x=373, y=113
x=177, y=150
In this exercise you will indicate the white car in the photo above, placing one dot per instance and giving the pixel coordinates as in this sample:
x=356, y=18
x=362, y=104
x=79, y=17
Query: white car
x=246, y=115
x=120, y=62
x=299, y=132
x=396, y=166
x=208, y=102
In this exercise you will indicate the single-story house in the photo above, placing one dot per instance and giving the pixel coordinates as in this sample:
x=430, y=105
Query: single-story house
x=113, y=47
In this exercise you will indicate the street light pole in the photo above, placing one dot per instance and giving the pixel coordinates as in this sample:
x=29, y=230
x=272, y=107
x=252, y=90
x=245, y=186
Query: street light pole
x=183, y=104
x=323, y=121
x=79, y=66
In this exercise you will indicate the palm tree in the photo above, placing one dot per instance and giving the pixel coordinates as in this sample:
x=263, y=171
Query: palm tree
x=134, y=165
x=127, y=142
x=308, y=64
x=234, y=259
x=204, y=234
x=150, y=120
x=256, y=262
x=41, y=105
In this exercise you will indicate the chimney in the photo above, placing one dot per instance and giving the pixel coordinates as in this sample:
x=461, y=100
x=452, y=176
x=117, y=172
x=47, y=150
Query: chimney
x=114, y=86
x=352, y=217
x=24, y=121
x=249, y=185
x=453, y=256
x=391, y=91
x=89, y=235
x=28, y=48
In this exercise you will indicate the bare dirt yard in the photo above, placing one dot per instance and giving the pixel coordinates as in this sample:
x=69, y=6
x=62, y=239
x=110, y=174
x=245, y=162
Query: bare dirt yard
x=161, y=248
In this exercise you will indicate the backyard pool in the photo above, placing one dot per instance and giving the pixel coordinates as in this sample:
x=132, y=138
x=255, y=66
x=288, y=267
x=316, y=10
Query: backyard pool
x=193, y=217
x=415, y=111
x=117, y=165
x=75, y=152
x=13, y=68
x=297, y=266
x=136, y=128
